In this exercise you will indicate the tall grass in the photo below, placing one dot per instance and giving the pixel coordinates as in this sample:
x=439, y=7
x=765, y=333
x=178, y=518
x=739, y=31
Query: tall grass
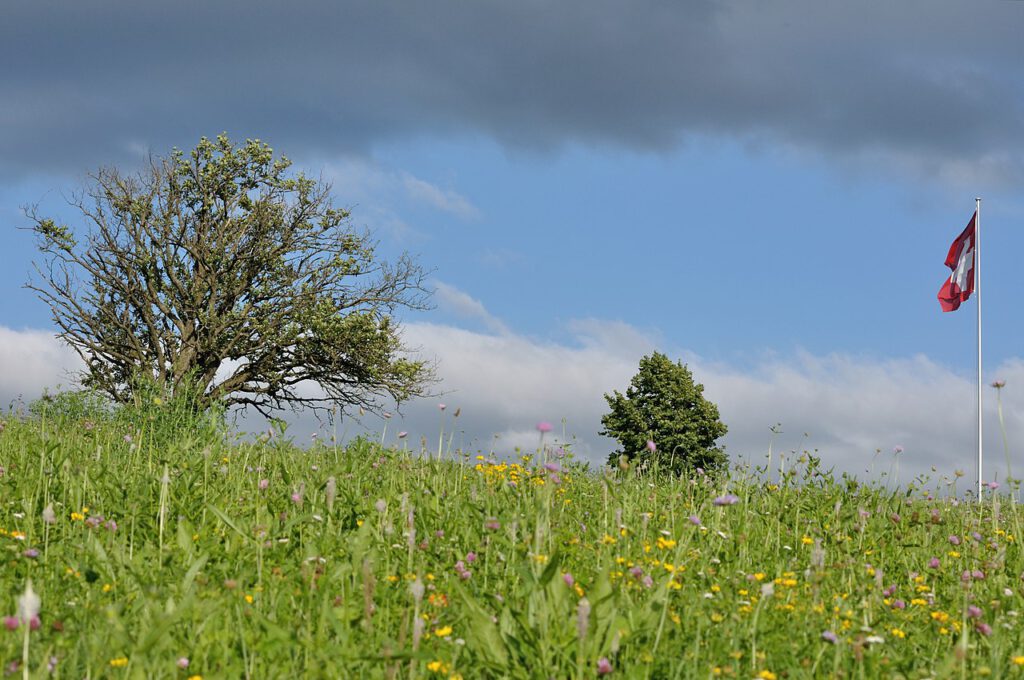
x=163, y=547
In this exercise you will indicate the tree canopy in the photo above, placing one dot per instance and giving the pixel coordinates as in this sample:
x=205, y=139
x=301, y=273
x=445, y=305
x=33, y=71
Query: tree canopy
x=220, y=272
x=663, y=417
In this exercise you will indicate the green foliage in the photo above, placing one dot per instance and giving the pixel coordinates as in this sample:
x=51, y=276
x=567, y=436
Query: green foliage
x=375, y=562
x=665, y=406
x=220, y=273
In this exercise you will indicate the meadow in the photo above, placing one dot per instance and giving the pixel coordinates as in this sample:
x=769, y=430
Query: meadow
x=160, y=545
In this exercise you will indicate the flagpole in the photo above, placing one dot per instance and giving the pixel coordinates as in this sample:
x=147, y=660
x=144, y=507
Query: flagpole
x=977, y=292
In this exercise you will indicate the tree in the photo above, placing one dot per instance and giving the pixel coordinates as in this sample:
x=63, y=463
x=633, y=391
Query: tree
x=664, y=417
x=221, y=274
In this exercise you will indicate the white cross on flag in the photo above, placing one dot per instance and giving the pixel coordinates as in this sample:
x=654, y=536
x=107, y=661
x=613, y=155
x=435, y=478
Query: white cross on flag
x=959, y=286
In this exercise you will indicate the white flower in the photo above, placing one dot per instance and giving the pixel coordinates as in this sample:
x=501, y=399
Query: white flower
x=28, y=604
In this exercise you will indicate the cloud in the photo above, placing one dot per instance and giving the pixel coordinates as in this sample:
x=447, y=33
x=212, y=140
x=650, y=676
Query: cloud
x=933, y=83
x=444, y=200
x=31, y=360
x=451, y=299
x=852, y=411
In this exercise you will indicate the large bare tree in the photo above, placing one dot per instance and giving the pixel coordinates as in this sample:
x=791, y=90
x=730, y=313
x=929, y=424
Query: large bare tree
x=220, y=273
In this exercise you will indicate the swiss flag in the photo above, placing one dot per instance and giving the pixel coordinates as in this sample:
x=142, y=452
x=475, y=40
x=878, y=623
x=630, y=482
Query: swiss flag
x=959, y=286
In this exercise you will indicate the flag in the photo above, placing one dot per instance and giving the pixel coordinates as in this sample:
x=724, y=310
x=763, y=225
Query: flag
x=960, y=284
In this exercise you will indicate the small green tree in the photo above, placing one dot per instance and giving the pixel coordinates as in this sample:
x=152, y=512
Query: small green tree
x=664, y=418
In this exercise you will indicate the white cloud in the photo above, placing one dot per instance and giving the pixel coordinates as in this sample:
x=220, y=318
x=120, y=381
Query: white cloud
x=31, y=360
x=847, y=407
x=445, y=200
x=449, y=298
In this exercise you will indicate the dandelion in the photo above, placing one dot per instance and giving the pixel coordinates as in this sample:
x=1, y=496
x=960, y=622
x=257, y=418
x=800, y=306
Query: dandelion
x=380, y=505
x=49, y=516
x=443, y=631
x=119, y=662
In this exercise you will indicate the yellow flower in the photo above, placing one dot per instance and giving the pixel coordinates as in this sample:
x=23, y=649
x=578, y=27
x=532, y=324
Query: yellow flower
x=716, y=617
x=665, y=543
x=715, y=588
x=953, y=553
x=248, y=598
x=195, y=677
x=807, y=540
x=766, y=675
x=608, y=540
x=1019, y=660
x=107, y=587
x=759, y=576
x=898, y=633
x=119, y=662
x=77, y=516
x=443, y=631
x=437, y=667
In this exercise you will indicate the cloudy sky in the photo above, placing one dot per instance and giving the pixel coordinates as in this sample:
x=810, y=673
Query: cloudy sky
x=765, y=191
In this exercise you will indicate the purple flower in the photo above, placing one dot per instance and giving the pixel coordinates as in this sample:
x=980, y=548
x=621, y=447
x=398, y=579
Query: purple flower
x=727, y=499
x=888, y=592
x=993, y=485
x=651, y=446
x=263, y=484
x=934, y=563
x=897, y=449
x=647, y=581
x=31, y=553
x=544, y=426
x=954, y=539
x=182, y=662
x=830, y=637
x=128, y=439
x=899, y=604
x=604, y=666
x=492, y=524
x=11, y=622
x=636, y=572
x=976, y=536
x=978, y=575
x=983, y=628
x=471, y=557
x=403, y=435
x=442, y=406
x=552, y=467
x=966, y=576
x=694, y=520
x=973, y=612
x=568, y=579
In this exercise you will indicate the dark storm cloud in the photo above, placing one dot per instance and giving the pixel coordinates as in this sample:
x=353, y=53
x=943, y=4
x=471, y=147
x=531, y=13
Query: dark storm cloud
x=88, y=83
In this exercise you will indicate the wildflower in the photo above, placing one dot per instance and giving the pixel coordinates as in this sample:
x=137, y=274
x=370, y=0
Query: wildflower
x=897, y=632
x=766, y=675
x=442, y=406
x=568, y=579
x=31, y=553
x=49, y=516
x=993, y=485
x=544, y=426
x=998, y=384
x=1018, y=660
x=582, y=617
x=727, y=499
x=934, y=563
x=694, y=520
x=437, y=666
x=380, y=505
x=899, y=604
x=403, y=435
x=651, y=446
x=28, y=604
x=471, y=557
x=443, y=631
x=604, y=666
x=183, y=662
x=830, y=637
x=983, y=628
x=973, y=612
x=11, y=622
x=119, y=662
x=263, y=484
x=954, y=539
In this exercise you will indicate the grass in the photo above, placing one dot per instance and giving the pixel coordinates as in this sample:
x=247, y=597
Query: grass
x=164, y=548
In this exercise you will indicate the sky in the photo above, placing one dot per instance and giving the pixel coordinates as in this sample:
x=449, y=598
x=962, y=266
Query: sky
x=764, y=191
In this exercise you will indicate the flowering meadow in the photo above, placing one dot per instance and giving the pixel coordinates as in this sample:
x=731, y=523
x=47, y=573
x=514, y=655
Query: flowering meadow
x=145, y=549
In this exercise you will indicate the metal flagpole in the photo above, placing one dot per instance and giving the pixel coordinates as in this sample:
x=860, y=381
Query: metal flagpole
x=977, y=292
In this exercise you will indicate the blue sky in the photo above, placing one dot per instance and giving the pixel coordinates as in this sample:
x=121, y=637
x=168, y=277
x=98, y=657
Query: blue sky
x=766, y=193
